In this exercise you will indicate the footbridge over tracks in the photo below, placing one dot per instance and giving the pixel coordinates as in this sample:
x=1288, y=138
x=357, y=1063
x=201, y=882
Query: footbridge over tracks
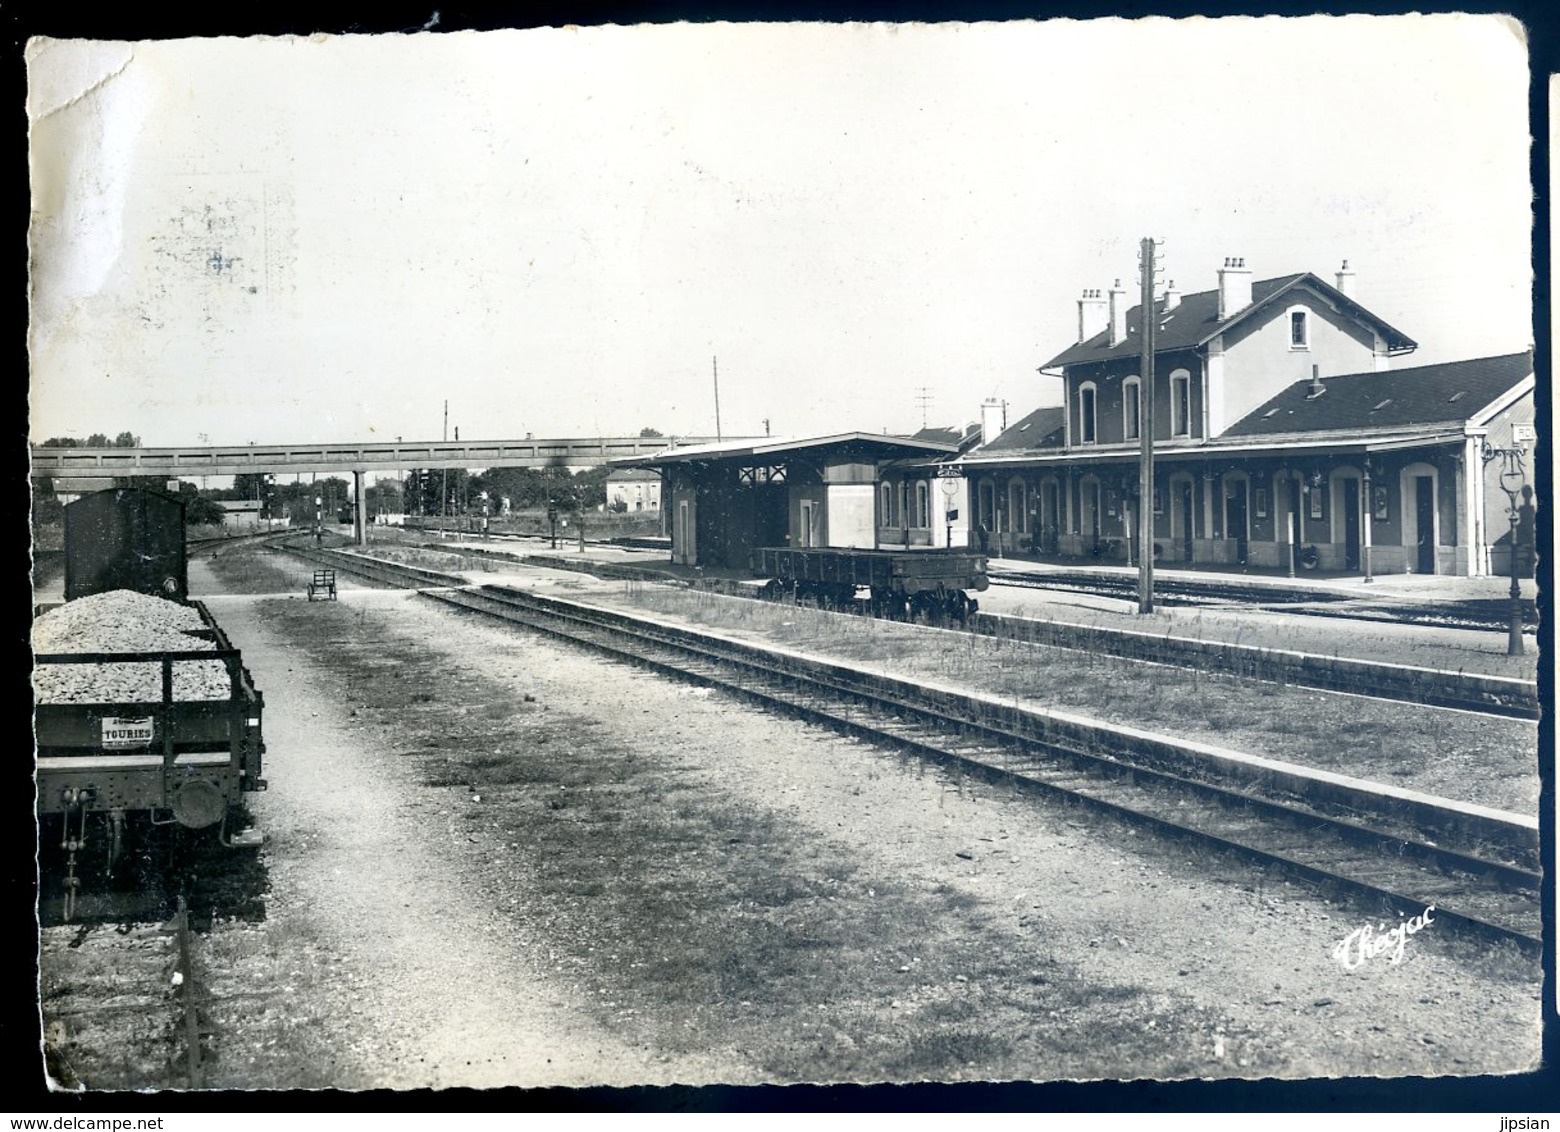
x=85, y=469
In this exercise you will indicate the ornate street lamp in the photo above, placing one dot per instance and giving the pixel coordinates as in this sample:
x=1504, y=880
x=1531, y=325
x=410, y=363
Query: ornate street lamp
x=1513, y=483
x=948, y=477
x=1367, y=516
x=1292, y=505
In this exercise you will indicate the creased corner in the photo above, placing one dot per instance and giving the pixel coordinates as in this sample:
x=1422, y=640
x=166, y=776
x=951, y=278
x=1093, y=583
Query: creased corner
x=61, y=72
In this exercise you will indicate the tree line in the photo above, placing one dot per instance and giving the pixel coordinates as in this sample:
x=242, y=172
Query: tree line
x=424, y=492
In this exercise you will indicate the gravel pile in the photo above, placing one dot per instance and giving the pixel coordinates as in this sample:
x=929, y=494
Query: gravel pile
x=123, y=621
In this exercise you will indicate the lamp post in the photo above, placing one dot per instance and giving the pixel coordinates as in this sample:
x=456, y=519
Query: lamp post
x=319, y=531
x=1291, y=515
x=1131, y=516
x=949, y=479
x=1512, y=479
x=1368, y=515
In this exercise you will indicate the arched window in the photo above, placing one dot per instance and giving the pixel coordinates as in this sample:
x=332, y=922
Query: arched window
x=1132, y=409
x=1088, y=430
x=1181, y=403
x=1299, y=328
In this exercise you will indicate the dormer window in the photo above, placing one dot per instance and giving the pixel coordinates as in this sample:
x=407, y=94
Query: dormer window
x=1299, y=330
x=1088, y=431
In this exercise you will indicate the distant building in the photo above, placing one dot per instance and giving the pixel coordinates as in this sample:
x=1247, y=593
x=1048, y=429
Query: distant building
x=633, y=489
x=239, y=512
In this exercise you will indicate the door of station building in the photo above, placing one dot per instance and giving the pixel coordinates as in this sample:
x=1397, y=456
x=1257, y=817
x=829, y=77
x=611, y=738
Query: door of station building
x=1424, y=515
x=1050, y=517
x=1089, y=498
x=1235, y=518
x=1349, y=489
x=1183, y=504
x=682, y=535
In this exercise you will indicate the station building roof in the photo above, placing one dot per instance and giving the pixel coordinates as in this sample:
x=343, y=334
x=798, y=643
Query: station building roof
x=1447, y=394
x=1195, y=321
x=1042, y=430
x=1373, y=411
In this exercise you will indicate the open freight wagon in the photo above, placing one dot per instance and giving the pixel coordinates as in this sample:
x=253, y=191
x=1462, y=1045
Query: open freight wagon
x=173, y=736
x=920, y=584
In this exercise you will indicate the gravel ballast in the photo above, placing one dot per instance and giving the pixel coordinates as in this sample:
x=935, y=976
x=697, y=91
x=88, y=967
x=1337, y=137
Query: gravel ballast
x=122, y=621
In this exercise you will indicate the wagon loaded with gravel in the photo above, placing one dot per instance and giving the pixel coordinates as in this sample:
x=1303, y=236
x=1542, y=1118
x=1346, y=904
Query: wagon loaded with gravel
x=143, y=711
x=143, y=708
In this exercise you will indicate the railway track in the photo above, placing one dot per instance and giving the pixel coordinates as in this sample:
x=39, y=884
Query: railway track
x=1479, y=873
x=1465, y=691
x=144, y=971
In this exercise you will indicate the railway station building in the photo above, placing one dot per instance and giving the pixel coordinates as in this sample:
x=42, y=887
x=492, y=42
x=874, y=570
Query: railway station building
x=727, y=500
x=1283, y=437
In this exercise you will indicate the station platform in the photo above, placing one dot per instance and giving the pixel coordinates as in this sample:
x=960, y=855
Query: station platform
x=1264, y=622
x=1413, y=587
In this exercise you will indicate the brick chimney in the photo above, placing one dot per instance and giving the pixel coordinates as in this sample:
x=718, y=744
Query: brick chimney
x=1172, y=297
x=1234, y=286
x=1315, y=389
x=1091, y=314
x=1118, y=314
x=993, y=419
x=1346, y=280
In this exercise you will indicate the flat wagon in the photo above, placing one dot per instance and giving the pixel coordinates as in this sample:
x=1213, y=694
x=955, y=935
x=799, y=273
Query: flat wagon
x=916, y=584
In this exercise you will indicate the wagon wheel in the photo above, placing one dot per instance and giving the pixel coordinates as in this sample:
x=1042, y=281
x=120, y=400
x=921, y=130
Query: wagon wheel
x=923, y=607
x=771, y=590
x=959, y=607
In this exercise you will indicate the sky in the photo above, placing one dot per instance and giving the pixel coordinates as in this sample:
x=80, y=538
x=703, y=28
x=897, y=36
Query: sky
x=564, y=232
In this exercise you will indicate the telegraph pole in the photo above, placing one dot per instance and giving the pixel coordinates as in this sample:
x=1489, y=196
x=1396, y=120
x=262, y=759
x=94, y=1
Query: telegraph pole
x=715, y=369
x=1145, y=514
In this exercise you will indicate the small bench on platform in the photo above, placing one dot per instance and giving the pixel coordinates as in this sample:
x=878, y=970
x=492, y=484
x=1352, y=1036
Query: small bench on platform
x=323, y=585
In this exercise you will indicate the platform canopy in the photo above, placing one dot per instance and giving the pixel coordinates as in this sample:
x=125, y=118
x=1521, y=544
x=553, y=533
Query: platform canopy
x=877, y=446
